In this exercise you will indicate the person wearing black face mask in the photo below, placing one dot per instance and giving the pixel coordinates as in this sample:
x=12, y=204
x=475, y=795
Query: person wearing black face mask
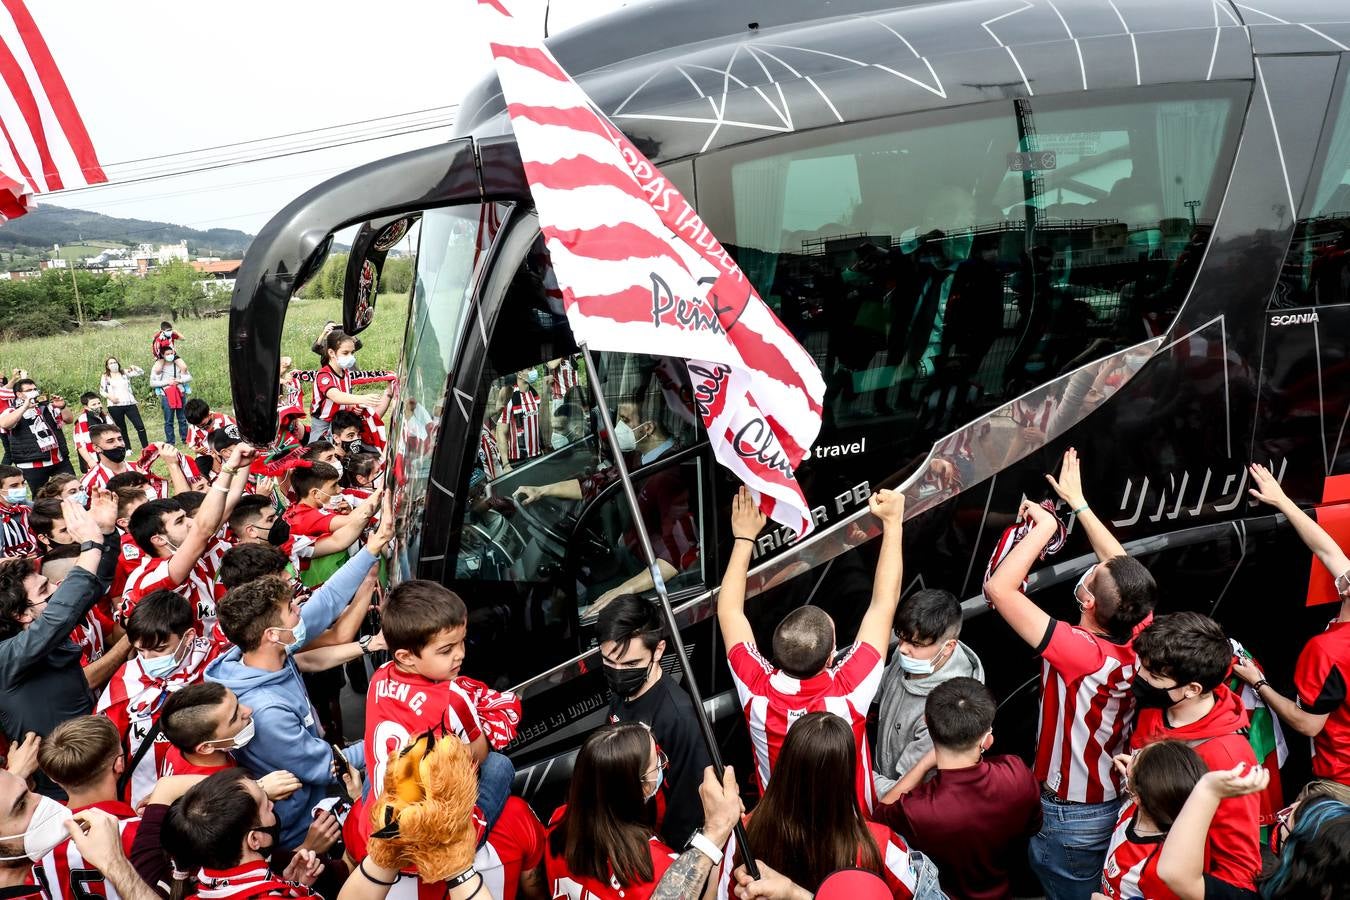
x=225, y=830
x=255, y=521
x=629, y=631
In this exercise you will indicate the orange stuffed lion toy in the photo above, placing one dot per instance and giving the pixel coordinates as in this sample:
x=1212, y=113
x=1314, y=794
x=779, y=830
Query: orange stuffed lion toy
x=424, y=817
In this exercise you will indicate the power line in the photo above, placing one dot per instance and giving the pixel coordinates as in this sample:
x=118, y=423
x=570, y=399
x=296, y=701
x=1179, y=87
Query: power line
x=240, y=162
x=277, y=137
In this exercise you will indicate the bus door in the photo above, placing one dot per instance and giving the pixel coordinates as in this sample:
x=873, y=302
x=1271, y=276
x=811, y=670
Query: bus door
x=544, y=538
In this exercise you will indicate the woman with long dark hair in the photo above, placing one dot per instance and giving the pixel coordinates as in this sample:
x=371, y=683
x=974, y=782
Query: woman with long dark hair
x=809, y=823
x=1161, y=776
x=120, y=398
x=601, y=844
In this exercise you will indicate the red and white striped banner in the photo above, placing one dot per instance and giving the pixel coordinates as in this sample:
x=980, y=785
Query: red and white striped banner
x=639, y=271
x=46, y=147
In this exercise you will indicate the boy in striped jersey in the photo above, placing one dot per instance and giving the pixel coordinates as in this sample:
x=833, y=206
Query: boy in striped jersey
x=84, y=756
x=809, y=676
x=1086, y=703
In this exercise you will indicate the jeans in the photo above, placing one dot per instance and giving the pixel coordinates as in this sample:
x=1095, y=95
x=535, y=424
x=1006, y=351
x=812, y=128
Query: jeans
x=168, y=421
x=926, y=886
x=494, y=787
x=120, y=415
x=1068, y=853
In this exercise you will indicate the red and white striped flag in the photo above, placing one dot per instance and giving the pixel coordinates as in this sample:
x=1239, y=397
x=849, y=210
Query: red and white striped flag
x=639, y=271
x=46, y=147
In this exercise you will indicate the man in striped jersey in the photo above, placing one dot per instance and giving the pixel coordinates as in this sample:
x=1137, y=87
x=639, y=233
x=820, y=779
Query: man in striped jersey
x=809, y=676
x=111, y=446
x=523, y=420
x=1086, y=701
x=84, y=756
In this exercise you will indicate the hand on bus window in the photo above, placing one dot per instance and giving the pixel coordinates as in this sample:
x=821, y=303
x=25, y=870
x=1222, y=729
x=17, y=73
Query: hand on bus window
x=527, y=494
x=888, y=506
x=746, y=519
x=1267, y=489
x=1069, y=486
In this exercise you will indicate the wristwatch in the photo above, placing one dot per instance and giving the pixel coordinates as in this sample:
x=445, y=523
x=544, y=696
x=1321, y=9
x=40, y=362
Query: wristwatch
x=91, y=545
x=364, y=640
x=1258, y=684
x=700, y=842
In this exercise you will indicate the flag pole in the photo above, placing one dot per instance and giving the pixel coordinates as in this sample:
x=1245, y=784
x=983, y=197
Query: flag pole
x=704, y=726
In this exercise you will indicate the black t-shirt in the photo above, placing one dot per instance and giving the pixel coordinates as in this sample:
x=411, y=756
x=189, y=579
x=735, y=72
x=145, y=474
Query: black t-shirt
x=1217, y=889
x=668, y=711
x=22, y=892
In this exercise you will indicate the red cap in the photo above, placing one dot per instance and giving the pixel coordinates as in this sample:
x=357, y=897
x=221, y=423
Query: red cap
x=853, y=884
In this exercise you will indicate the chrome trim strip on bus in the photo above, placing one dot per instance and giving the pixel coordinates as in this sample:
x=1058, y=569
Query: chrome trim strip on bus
x=1061, y=404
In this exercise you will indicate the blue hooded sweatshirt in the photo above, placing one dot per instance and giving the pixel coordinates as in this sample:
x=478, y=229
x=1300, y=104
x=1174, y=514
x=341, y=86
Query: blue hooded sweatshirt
x=286, y=735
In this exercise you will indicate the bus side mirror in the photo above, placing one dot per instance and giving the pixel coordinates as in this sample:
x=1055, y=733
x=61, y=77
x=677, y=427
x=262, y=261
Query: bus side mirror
x=365, y=263
x=322, y=242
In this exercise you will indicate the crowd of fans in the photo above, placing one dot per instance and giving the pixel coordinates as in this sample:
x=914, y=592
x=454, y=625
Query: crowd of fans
x=175, y=631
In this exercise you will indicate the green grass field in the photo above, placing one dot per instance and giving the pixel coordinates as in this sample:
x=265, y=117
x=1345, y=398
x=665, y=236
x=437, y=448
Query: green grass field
x=86, y=249
x=70, y=364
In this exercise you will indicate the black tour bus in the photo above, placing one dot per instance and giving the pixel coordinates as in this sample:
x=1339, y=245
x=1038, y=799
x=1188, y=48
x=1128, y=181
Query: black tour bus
x=1001, y=227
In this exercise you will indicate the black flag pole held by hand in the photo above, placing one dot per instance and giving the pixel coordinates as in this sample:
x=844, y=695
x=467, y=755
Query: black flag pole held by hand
x=704, y=726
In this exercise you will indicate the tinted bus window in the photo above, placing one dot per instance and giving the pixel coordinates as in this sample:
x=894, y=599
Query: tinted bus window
x=450, y=249
x=938, y=265
x=1317, y=268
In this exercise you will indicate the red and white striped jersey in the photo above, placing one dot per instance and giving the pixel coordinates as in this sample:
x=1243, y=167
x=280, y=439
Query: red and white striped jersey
x=1086, y=713
x=82, y=438
x=772, y=700
x=16, y=539
x=324, y=381
x=196, y=436
x=64, y=874
x=99, y=475
x=521, y=417
x=489, y=456
x=566, y=885
x=245, y=882
x=564, y=378
x=132, y=700
x=91, y=635
x=129, y=557
x=153, y=575
x=402, y=705
x=1131, y=868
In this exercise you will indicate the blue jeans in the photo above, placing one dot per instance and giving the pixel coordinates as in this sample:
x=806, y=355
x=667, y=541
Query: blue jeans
x=494, y=786
x=168, y=420
x=1068, y=853
x=926, y=886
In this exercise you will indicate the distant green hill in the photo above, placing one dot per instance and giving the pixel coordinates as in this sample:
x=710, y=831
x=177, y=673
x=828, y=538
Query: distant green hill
x=47, y=225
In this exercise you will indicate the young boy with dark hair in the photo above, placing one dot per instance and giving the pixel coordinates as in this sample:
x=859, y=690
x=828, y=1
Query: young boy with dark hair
x=202, y=422
x=84, y=756
x=632, y=645
x=16, y=535
x=91, y=414
x=203, y=724
x=163, y=341
x=1085, y=675
x=420, y=689
x=48, y=525
x=170, y=655
x=974, y=816
x=808, y=675
x=267, y=628
x=929, y=653
x=1184, y=660
x=348, y=427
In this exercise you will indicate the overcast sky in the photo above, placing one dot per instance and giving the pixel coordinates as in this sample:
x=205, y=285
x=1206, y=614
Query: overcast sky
x=163, y=76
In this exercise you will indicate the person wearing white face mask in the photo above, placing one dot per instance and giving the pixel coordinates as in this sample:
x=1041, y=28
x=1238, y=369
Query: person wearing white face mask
x=30, y=826
x=120, y=398
x=267, y=627
x=929, y=653
x=37, y=443
x=16, y=531
x=171, y=380
x=169, y=656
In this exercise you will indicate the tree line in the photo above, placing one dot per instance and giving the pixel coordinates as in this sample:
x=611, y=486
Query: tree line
x=46, y=305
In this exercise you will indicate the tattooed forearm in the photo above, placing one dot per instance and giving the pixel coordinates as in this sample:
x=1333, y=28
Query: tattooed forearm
x=684, y=879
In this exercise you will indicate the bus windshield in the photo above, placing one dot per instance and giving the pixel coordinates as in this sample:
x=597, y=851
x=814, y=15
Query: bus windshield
x=450, y=251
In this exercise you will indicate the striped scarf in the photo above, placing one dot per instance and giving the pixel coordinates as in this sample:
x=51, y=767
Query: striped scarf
x=1014, y=534
x=252, y=879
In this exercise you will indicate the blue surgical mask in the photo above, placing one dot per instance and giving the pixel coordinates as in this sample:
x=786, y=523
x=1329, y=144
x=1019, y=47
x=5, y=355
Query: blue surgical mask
x=660, y=779
x=160, y=667
x=81, y=497
x=16, y=495
x=298, y=635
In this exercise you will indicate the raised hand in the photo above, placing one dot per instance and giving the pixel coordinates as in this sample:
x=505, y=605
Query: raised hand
x=323, y=833
x=1038, y=514
x=1069, y=485
x=103, y=509
x=23, y=758
x=746, y=519
x=80, y=522
x=1234, y=782
x=305, y=868
x=1267, y=489
x=279, y=785
x=888, y=506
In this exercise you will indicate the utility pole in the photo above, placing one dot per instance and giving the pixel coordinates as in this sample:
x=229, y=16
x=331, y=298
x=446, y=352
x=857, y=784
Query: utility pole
x=79, y=310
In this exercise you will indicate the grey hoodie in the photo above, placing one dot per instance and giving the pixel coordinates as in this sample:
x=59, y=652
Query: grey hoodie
x=902, y=735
